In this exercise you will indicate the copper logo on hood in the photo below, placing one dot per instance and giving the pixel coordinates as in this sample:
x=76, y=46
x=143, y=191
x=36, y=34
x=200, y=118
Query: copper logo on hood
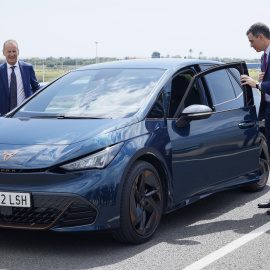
x=7, y=155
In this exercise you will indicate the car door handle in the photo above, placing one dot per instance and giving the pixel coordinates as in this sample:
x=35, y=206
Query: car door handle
x=247, y=124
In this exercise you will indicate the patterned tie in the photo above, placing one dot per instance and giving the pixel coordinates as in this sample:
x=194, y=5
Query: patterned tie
x=13, y=90
x=264, y=68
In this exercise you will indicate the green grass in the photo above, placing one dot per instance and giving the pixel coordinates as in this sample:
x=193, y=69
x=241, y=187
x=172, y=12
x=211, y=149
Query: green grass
x=253, y=75
x=51, y=74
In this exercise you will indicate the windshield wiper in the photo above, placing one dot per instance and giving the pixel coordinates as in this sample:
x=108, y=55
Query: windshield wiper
x=43, y=116
x=77, y=117
x=60, y=116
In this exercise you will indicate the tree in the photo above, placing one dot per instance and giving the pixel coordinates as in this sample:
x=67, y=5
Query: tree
x=155, y=55
x=177, y=56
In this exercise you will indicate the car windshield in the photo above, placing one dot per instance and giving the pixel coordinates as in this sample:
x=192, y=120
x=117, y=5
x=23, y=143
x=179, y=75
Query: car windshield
x=104, y=93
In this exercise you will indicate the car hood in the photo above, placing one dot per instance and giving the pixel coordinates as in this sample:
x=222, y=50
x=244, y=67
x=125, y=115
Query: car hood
x=42, y=143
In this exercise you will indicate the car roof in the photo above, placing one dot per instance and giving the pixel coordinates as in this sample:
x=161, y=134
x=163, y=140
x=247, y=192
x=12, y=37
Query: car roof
x=158, y=63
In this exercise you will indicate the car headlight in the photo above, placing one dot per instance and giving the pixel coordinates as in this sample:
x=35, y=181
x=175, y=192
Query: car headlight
x=98, y=160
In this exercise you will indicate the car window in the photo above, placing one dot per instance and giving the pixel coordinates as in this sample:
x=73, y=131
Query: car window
x=158, y=109
x=179, y=86
x=225, y=88
x=220, y=87
x=235, y=75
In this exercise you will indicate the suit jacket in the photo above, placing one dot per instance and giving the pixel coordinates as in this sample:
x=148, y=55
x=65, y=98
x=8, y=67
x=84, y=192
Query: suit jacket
x=265, y=86
x=30, y=84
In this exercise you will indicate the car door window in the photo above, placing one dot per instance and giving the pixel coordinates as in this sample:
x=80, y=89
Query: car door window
x=220, y=87
x=225, y=88
x=235, y=79
x=178, y=89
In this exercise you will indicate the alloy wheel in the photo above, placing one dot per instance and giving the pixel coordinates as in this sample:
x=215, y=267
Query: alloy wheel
x=145, y=203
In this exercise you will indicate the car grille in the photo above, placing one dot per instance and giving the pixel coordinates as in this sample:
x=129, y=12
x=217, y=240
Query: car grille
x=49, y=211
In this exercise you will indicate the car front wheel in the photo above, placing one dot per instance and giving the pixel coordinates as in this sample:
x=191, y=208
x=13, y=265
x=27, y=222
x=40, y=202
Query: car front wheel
x=141, y=204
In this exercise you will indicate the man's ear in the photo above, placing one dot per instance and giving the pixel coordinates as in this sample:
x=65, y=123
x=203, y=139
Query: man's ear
x=261, y=36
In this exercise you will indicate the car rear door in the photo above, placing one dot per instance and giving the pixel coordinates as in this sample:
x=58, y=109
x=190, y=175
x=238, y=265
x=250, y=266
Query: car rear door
x=219, y=150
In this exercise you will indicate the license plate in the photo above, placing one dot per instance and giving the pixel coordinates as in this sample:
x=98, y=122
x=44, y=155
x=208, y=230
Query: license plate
x=15, y=199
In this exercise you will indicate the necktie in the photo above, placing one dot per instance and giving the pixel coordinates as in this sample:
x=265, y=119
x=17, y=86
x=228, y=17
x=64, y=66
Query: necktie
x=264, y=68
x=13, y=90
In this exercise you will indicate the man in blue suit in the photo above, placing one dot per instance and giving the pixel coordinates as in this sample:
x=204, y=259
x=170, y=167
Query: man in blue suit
x=17, y=79
x=259, y=38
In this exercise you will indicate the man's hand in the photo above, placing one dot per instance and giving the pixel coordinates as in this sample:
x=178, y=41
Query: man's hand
x=245, y=79
x=261, y=75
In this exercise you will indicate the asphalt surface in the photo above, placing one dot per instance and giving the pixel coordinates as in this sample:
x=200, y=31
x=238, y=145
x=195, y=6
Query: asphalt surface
x=184, y=237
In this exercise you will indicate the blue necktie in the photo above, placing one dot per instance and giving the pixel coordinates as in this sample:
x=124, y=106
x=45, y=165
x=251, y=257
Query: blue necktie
x=13, y=90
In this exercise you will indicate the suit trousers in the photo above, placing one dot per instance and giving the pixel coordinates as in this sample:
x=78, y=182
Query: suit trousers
x=267, y=125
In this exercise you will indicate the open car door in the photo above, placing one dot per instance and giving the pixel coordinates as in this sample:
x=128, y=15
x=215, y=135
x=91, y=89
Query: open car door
x=214, y=146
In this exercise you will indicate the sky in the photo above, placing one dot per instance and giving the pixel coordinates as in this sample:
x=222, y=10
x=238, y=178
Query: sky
x=132, y=28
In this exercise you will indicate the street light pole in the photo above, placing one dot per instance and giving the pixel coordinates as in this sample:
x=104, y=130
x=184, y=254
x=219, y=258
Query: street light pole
x=96, y=52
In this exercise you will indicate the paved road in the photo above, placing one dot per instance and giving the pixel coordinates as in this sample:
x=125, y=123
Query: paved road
x=184, y=237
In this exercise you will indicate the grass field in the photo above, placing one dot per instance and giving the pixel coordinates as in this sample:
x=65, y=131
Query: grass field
x=51, y=74
x=254, y=74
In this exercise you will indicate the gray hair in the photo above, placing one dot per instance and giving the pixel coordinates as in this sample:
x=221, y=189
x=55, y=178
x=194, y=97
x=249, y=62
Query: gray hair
x=259, y=28
x=12, y=41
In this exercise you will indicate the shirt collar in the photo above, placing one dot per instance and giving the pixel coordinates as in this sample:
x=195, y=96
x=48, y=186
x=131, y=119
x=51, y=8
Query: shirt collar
x=8, y=65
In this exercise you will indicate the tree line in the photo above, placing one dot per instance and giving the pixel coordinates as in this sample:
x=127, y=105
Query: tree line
x=59, y=63
x=53, y=62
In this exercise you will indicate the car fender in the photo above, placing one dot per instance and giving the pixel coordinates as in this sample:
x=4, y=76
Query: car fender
x=150, y=155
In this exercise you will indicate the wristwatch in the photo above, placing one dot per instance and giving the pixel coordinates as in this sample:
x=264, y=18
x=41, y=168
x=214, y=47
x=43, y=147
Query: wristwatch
x=257, y=85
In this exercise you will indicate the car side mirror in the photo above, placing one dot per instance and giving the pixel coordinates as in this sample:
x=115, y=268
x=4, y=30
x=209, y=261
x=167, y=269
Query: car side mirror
x=193, y=112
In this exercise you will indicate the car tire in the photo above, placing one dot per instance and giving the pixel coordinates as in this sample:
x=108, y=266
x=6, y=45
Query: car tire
x=141, y=204
x=264, y=166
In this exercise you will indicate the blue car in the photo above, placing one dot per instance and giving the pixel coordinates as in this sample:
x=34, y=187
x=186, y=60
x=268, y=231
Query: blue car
x=111, y=147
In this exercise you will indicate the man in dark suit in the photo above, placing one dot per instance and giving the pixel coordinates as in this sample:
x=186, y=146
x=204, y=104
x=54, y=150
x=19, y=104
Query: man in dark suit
x=259, y=38
x=17, y=79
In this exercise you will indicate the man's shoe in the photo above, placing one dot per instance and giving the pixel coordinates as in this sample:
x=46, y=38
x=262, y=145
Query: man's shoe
x=268, y=212
x=264, y=205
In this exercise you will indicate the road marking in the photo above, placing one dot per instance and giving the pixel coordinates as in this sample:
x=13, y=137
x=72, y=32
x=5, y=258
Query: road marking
x=228, y=248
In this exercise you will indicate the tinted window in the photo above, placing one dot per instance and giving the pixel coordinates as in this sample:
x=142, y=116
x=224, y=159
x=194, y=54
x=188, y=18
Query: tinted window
x=235, y=75
x=104, y=93
x=220, y=87
x=157, y=111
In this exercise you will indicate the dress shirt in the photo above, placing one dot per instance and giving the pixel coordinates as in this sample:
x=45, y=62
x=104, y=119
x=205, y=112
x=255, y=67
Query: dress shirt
x=20, y=89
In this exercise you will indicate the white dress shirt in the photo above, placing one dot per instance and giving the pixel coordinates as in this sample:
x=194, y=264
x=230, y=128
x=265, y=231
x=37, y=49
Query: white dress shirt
x=20, y=89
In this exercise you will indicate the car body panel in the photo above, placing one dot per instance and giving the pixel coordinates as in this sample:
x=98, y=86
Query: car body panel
x=205, y=151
